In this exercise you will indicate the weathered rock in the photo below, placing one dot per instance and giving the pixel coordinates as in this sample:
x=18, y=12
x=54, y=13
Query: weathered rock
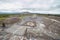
x=17, y=29
x=7, y=36
x=12, y=20
x=53, y=30
x=41, y=28
x=15, y=38
x=18, y=38
x=30, y=23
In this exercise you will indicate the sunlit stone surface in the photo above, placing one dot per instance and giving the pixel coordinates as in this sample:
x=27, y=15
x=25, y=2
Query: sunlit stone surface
x=31, y=23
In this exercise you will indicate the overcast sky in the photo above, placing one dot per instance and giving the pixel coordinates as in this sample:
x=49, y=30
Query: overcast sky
x=36, y=6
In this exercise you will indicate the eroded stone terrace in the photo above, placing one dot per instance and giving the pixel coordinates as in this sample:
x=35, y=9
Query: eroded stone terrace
x=40, y=28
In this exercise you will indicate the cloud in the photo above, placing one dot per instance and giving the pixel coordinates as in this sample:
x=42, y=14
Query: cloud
x=39, y=6
x=10, y=5
x=26, y=4
x=49, y=6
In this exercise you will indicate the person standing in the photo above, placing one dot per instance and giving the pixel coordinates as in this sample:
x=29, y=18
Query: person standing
x=3, y=26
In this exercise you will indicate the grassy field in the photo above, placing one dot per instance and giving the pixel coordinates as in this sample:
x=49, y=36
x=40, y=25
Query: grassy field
x=4, y=16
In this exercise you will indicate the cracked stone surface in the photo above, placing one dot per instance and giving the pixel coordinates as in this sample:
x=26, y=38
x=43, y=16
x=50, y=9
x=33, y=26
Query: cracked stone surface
x=45, y=28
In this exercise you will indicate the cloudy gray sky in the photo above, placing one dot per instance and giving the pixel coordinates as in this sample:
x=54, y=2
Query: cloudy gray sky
x=36, y=6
